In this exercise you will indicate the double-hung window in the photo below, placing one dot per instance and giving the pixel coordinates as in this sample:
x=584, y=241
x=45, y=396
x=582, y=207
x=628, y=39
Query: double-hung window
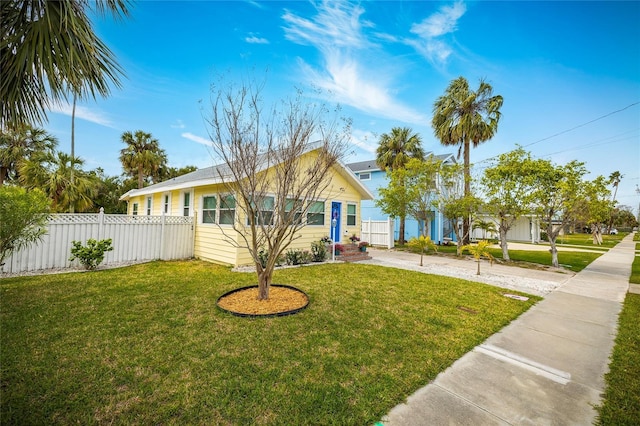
x=209, y=204
x=149, y=205
x=351, y=215
x=135, y=209
x=227, y=210
x=315, y=214
x=186, y=204
x=297, y=214
x=166, y=203
x=263, y=210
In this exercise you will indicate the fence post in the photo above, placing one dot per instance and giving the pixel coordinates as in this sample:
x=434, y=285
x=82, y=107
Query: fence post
x=391, y=228
x=162, y=239
x=101, y=224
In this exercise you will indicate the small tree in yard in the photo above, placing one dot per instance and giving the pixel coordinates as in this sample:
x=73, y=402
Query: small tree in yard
x=23, y=218
x=272, y=168
x=424, y=244
x=508, y=186
x=597, y=206
x=452, y=201
x=479, y=251
x=557, y=198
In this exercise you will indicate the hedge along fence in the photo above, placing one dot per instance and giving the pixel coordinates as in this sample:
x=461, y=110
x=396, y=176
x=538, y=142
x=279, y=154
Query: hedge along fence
x=135, y=239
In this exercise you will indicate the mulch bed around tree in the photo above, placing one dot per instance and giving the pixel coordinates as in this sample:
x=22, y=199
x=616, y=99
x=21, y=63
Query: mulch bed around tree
x=283, y=300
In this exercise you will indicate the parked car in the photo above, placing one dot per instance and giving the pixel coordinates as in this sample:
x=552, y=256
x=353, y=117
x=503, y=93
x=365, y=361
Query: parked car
x=613, y=231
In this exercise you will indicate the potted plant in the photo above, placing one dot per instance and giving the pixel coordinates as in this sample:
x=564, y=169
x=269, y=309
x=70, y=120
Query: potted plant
x=354, y=239
x=363, y=246
x=339, y=248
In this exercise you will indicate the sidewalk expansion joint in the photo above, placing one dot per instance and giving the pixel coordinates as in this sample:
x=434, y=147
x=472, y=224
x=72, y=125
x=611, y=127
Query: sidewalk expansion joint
x=551, y=373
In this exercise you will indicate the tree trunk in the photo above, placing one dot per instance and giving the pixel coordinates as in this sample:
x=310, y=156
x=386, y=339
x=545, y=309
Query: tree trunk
x=264, y=282
x=421, y=254
x=478, y=273
x=554, y=252
x=467, y=191
x=140, y=178
x=401, y=232
x=73, y=150
x=504, y=244
x=3, y=172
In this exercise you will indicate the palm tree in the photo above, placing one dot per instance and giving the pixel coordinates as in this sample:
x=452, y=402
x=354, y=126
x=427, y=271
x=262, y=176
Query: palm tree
x=71, y=59
x=142, y=157
x=463, y=117
x=480, y=250
x=394, y=151
x=52, y=174
x=614, y=179
x=19, y=144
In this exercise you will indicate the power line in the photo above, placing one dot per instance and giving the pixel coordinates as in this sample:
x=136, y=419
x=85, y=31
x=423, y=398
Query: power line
x=568, y=130
x=582, y=125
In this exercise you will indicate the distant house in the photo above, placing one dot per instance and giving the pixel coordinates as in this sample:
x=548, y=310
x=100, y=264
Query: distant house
x=525, y=229
x=368, y=172
x=203, y=195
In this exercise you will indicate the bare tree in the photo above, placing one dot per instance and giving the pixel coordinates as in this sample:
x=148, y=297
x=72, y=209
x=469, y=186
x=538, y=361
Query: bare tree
x=276, y=165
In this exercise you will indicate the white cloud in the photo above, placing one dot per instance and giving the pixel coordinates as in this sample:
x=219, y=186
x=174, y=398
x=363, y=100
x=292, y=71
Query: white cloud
x=178, y=125
x=83, y=113
x=196, y=138
x=336, y=24
x=442, y=22
x=338, y=32
x=364, y=140
x=431, y=30
x=256, y=40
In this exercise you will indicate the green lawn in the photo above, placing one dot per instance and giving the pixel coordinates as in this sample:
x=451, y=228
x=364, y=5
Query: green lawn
x=575, y=261
x=146, y=344
x=635, y=267
x=621, y=400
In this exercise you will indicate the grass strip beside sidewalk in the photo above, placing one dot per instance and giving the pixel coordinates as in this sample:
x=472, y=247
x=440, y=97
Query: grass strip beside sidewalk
x=621, y=400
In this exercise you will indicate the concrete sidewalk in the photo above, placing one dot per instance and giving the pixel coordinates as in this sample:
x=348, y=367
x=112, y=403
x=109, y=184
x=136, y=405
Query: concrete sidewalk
x=546, y=368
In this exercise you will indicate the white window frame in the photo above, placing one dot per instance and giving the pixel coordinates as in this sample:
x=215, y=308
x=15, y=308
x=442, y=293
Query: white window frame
x=273, y=212
x=134, y=209
x=324, y=213
x=216, y=197
x=362, y=175
x=354, y=215
x=189, y=208
x=220, y=209
x=166, y=203
x=149, y=205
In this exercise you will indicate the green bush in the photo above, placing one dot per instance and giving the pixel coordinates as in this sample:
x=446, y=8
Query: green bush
x=319, y=251
x=91, y=255
x=298, y=257
x=263, y=255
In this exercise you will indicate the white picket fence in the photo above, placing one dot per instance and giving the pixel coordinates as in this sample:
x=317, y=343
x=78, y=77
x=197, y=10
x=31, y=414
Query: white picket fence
x=378, y=232
x=134, y=239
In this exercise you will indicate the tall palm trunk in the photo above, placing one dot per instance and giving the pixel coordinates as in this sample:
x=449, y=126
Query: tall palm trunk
x=73, y=149
x=467, y=191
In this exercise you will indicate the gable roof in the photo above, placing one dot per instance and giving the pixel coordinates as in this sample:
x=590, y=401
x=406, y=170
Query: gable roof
x=372, y=166
x=211, y=175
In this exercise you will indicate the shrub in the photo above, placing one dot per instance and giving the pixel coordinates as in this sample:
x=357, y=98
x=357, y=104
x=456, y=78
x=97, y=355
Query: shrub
x=24, y=218
x=298, y=257
x=91, y=255
x=318, y=251
x=263, y=255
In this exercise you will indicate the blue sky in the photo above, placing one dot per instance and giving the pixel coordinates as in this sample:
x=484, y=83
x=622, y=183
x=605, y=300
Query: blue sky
x=569, y=73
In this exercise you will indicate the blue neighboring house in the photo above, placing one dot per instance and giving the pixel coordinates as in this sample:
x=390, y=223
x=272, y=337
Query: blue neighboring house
x=440, y=230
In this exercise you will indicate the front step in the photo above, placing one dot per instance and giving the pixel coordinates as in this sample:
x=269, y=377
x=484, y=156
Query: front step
x=352, y=253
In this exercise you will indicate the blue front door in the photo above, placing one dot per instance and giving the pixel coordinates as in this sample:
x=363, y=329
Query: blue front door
x=335, y=215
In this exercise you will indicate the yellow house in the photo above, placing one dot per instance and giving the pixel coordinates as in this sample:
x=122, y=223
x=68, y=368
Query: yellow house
x=206, y=197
